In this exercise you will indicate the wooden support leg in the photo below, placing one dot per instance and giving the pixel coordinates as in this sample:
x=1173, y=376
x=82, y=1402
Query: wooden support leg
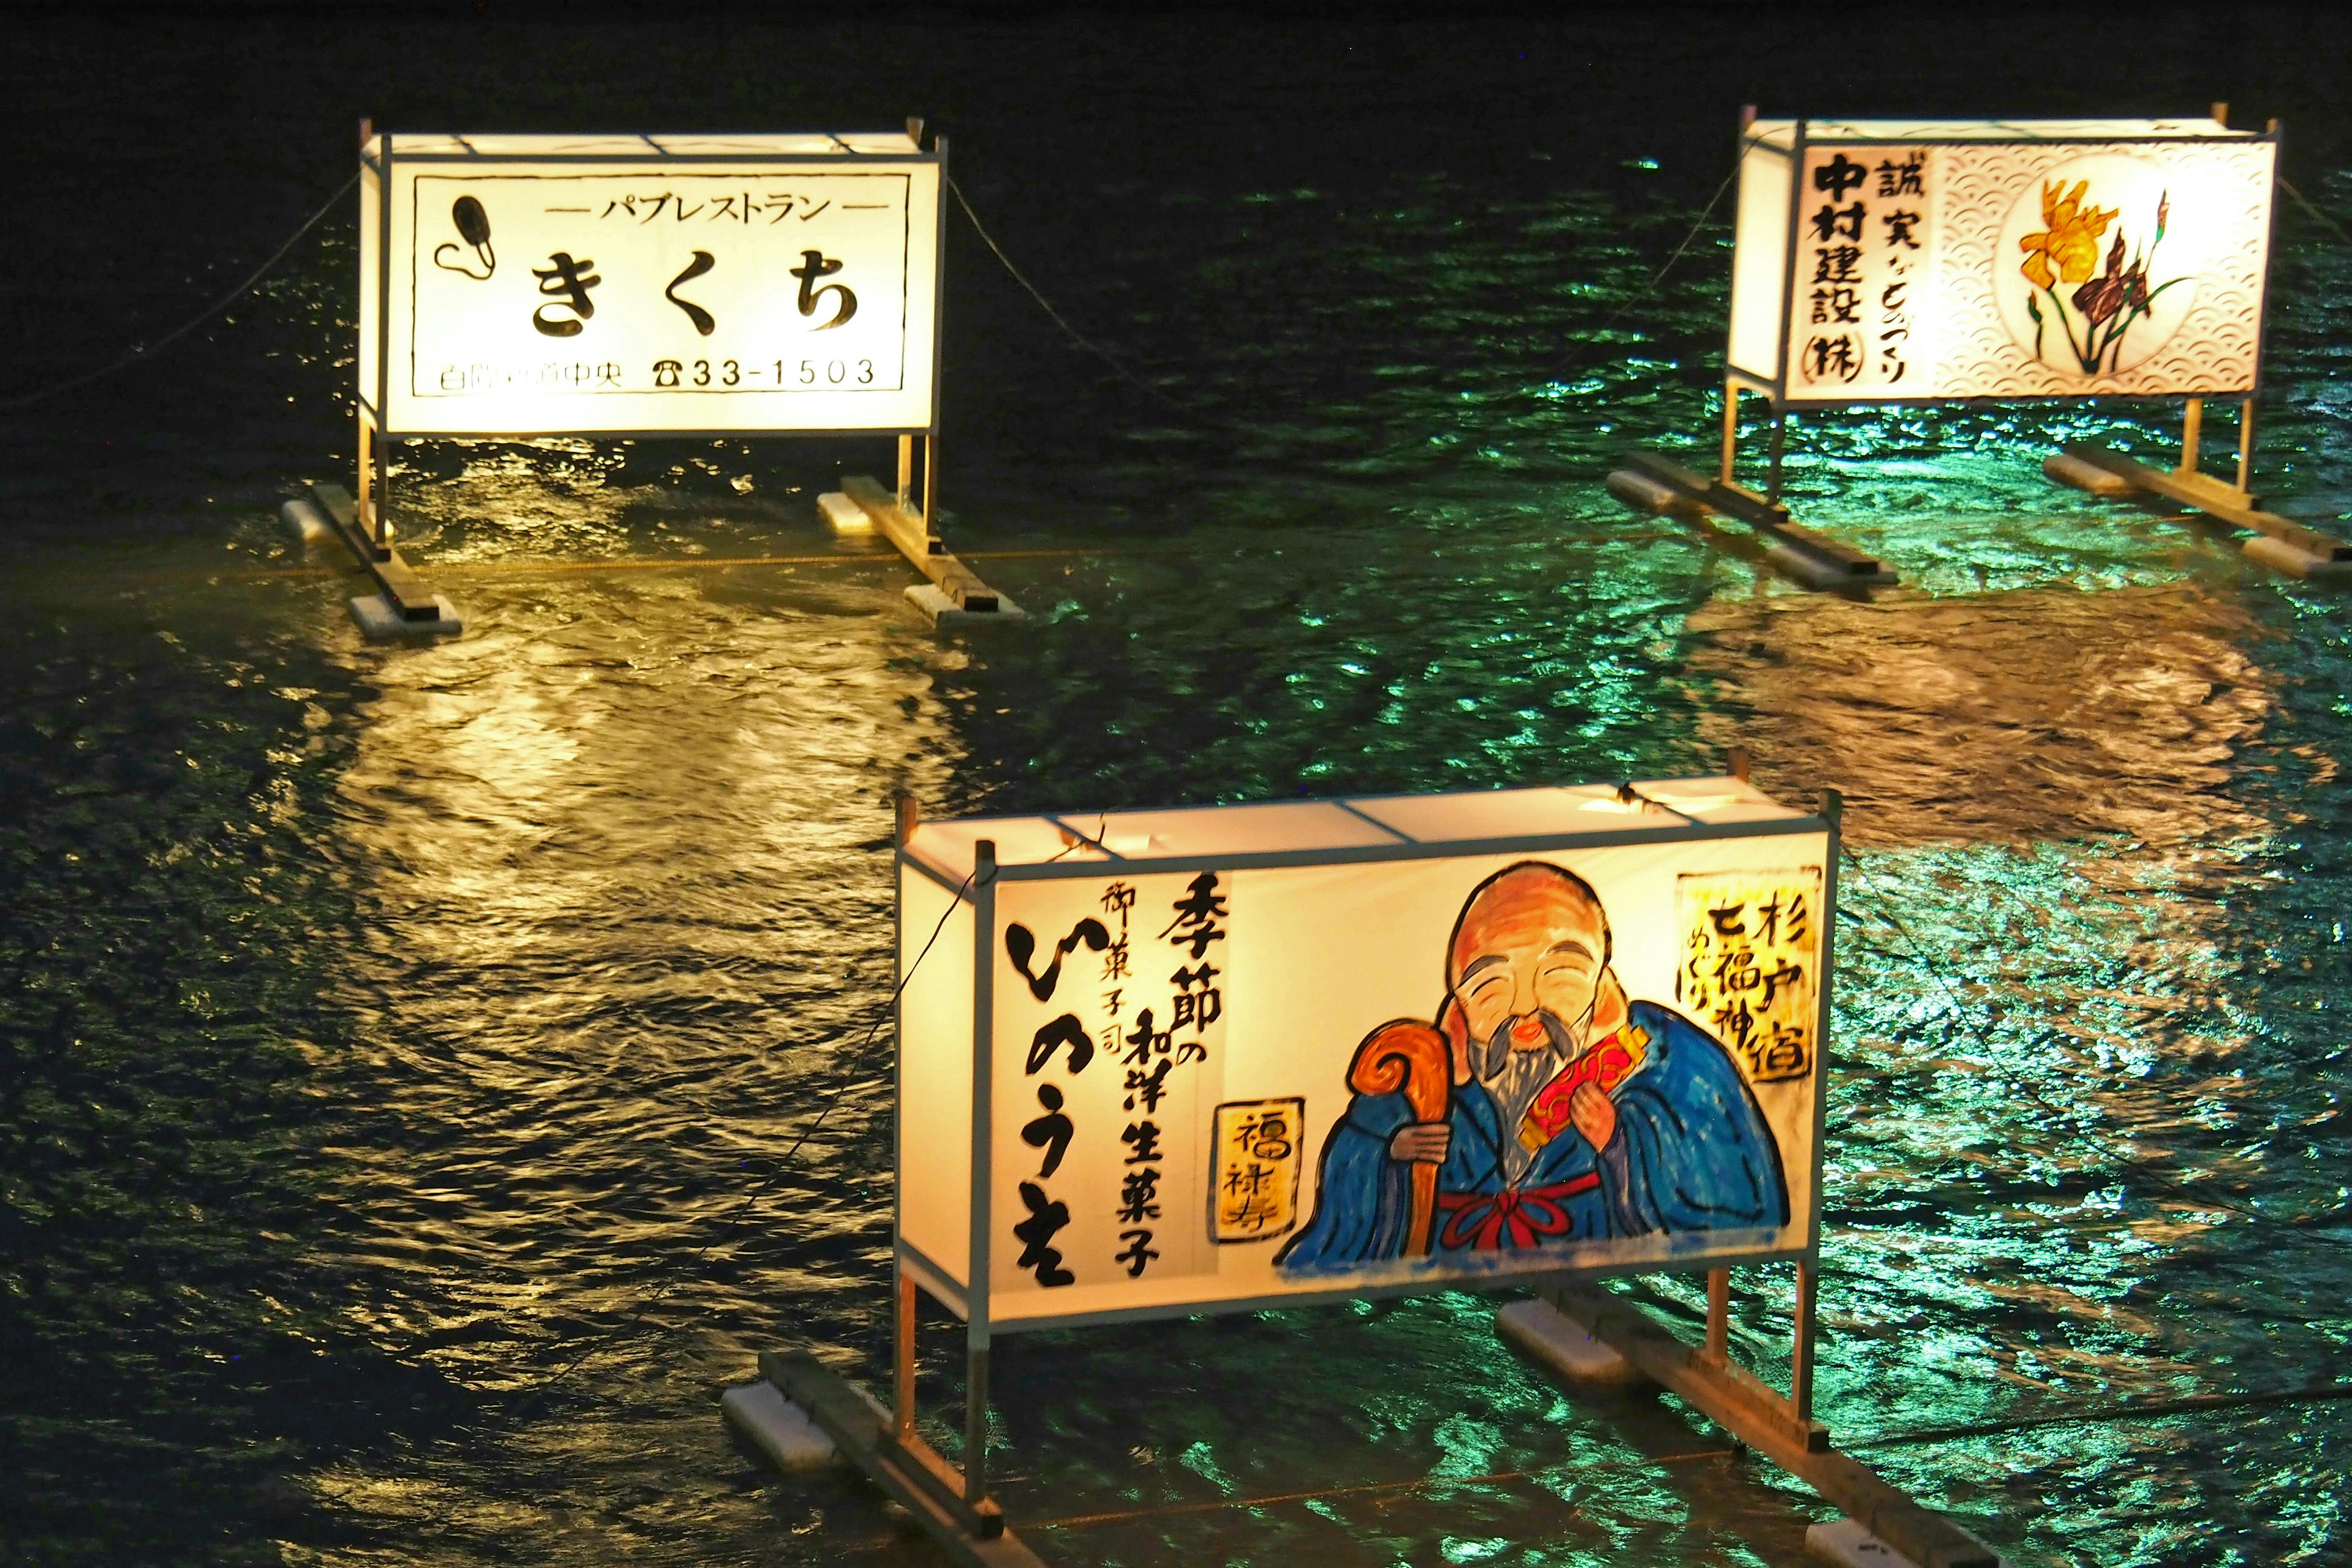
x=1780, y=432
x=1735, y=763
x=1801, y=1362
x=2246, y=446
x=1730, y=431
x=906, y=469
x=2192, y=434
x=931, y=483
x=365, y=507
x=904, y=1415
x=1718, y=1314
x=975, y=1423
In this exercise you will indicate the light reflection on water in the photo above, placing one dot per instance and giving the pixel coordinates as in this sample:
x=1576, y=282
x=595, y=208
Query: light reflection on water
x=394, y=1031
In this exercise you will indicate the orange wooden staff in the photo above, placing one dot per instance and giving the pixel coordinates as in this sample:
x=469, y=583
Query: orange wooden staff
x=1412, y=1057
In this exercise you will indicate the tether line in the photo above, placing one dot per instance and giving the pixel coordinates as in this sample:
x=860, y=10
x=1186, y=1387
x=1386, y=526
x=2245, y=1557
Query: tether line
x=727, y=1225
x=1046, y=305
x=144, y=350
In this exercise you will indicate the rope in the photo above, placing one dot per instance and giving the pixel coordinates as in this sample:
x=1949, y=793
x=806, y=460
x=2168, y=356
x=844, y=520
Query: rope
x=2325, y=222
x=2099, y=1415
x=134, y=356
x=735, y=1217
x=1594, y=343
x=1712, y=203
x=1075, y=336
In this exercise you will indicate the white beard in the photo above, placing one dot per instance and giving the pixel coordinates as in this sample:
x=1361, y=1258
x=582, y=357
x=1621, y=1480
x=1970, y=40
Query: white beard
x=1514, y=1089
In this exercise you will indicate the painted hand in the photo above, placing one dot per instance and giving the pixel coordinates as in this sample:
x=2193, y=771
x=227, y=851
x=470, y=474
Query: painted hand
x=1426, y=1141
x=1594, y=1113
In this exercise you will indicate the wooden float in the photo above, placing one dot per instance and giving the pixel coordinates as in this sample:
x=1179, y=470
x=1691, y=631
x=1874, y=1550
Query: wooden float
x=405, y=606
x=2279, y=542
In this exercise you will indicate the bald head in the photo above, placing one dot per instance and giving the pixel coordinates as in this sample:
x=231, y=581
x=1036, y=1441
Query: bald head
x=1532, y=942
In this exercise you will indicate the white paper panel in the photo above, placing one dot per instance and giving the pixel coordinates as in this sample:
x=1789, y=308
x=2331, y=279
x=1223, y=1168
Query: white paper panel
x=935, y=1062
x=1758, y=260
x=796, y=294
x=1988, y=267
x=1308, y=826
x=1782, y=133
x=1310, y=962
x=371, y=302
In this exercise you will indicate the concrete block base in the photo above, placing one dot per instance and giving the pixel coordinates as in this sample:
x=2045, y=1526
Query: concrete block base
x=380, y=621
x=778, y=1427
x=1644, y=494
x=1846, y=1543
x=2280, y=556
x=1813, y=571
x=2064, y=469
x=844, y=515
x=1546, y=1335
x=306, y=522
x=940, y=610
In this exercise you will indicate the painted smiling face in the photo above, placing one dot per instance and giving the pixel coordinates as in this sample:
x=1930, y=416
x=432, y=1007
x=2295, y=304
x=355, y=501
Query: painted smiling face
x=1527, y=962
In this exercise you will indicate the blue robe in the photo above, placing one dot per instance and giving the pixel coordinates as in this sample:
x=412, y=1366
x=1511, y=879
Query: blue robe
x=1692, y=1152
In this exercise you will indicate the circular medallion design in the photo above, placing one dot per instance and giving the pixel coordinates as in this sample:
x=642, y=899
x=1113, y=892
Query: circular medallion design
x=2098, y=264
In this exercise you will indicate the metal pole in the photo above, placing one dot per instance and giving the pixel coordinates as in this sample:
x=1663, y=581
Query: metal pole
x=976, y=1316
x=905, y=468
x=2192, y=434
x=909, y=812
x=364, y=511
x=1801, y=1361
x=1730, y=428
x=2246, y=446
x=930, y=482
x=1718, y=1315
x=904, y=1379
x=975, y=1421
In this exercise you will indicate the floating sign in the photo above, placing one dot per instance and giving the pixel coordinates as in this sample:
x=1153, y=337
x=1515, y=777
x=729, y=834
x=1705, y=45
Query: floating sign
x=522, y=285
x=1230, y=1057
x=1896, y=261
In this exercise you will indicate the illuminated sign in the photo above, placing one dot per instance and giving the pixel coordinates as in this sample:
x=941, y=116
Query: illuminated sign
x=1885, y=261
x=1217, y=1058
x=524, y=285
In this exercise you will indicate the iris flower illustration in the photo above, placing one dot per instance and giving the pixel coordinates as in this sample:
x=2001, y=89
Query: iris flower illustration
x=2107, y=304
x=2072, y=240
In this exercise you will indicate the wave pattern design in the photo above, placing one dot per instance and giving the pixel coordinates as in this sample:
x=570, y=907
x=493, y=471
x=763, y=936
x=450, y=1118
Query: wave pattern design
x=2217, y=345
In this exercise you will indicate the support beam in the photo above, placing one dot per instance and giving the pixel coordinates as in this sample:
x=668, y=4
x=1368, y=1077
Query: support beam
x=975, y=1424
x=407, y=606
x=2326, y=556
x=2246, y=446
x=1800, y=1354
x=903, y=1376
x=954, y=591
x=1725, y=469
x=1744, y=1406
x=971, y=1532
x=1812, y=559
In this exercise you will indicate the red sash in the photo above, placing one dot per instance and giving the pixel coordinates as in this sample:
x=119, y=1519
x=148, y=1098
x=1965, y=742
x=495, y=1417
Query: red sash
x=1516, y=1217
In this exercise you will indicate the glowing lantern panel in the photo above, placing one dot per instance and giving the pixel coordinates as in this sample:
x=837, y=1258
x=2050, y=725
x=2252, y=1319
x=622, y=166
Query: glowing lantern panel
x=533, y=284
x=1205, y=1059
x=1885, y=261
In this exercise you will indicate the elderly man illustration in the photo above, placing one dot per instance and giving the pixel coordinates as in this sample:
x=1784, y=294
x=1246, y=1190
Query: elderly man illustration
x=1542, y=1107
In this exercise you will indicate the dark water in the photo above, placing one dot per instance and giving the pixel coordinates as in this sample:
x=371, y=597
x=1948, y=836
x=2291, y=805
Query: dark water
x=393, y=1038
